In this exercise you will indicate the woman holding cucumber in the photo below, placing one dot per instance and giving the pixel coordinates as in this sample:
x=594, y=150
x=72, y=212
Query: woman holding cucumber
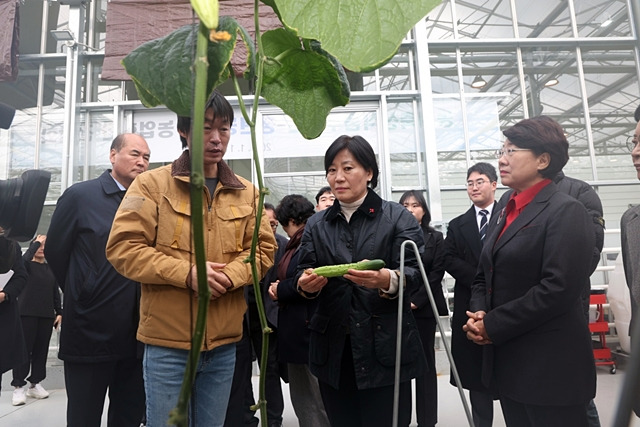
x=353, y=331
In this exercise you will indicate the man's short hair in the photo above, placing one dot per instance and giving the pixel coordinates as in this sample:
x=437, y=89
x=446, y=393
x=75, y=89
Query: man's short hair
x=323, y=190
x=636, y=115
x=268, y=206
x=221, y=109
x=484, y=168
x=118, y=142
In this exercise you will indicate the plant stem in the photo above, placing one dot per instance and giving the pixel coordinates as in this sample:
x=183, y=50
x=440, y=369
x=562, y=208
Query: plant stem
x=179, y=414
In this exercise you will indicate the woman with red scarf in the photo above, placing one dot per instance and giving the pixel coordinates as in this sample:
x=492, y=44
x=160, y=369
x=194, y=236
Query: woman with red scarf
x=294, y=314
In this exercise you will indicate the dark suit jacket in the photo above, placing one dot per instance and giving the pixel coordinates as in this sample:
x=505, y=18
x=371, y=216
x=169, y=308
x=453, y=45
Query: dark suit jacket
x=462, y=249
x=433, y=262
x=630, y=236
x=529, y=282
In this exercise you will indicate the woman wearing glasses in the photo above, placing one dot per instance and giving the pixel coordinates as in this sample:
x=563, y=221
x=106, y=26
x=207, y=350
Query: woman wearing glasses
x=525, y=304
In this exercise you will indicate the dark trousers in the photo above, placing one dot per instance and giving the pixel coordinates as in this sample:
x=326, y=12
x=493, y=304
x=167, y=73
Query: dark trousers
x=349, y=407
x=37, y=334
x=518, y=414
x=87, y=384
x=427, y=384
x=481, y=408
x=242, y=397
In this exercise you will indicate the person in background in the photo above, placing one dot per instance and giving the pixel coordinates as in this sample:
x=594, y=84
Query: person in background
x=40, y=309
x=151, y=242
x=526, y=297
x=433, y=262
x=98, y=341
x=12, y=281
x=353, y=331
x=465, y=237
x=630, y=237
x=324, y=198
x=294, y=316
x=242, y=398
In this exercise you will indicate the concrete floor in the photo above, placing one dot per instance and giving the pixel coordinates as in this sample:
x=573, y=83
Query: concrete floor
x=51, y=412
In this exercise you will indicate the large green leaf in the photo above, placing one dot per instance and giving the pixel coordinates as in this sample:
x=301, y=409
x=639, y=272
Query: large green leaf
x=306, y=84
x=162, y=68
x=362, y=34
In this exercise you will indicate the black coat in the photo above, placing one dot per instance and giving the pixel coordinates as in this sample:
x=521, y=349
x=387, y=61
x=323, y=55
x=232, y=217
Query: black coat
x=12, y=343
x=294, y=316
x=41, y=295
x=462, y=249
x=101, y=307
x=529, y=283
x=433, y=262
x=376, y=230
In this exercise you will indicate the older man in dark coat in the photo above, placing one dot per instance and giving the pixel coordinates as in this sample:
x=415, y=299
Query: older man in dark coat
x=98, y=339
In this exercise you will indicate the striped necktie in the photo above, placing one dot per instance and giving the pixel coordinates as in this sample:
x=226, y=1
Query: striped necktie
x=483, y=224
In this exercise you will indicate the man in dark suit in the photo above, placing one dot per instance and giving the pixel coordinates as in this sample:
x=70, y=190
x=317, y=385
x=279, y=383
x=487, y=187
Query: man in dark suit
x=98, y=339
x=462, y=251
x=630, y=236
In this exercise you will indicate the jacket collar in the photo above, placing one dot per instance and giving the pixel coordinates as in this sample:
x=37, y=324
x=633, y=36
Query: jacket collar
x=182, y=167
x=109, y=185
x=371, y=206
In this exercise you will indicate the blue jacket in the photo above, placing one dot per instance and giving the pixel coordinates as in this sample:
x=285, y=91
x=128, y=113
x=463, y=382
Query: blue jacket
x=100, y=305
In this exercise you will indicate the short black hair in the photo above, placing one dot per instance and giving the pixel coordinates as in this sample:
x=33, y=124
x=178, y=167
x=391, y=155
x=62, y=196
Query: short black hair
x=294, y=207
x=221, y=108
x=269, y=206
x=361, y=150
x=118, y=142
x=484, y=168
x=636, y=114
x=541, y=135
x=323, y=190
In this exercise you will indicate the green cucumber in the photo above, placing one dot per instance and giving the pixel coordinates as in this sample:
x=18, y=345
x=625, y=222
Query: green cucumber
x=342, y=269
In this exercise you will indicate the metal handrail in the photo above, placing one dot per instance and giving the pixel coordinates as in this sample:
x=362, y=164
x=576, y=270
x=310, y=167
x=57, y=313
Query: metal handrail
x=454, y=370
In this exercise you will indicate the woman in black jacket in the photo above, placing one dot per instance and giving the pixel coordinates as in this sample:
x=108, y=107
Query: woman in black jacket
x=294, y=314
x=40, y=312
x=433, y=262
x=353, y=332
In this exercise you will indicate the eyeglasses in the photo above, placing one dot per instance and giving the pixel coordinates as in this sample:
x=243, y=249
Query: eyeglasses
x=479, y=183
x=632, y=142
x=509, y=151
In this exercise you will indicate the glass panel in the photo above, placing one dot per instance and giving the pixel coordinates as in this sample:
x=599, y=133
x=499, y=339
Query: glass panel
x=439, y=22
x=612, y=91
x=549, y=18
x=449, y=140
x=306, y=185
x=615, y=200
x=444, y=72
x=553, y=89
x=94, y=143
x=397, y=73
x=597, y=18
x=490, y=19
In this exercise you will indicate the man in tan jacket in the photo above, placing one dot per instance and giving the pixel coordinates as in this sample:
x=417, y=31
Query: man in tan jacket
x=151, y=242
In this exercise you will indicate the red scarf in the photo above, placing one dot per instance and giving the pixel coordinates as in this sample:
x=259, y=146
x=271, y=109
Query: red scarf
x=289, y=250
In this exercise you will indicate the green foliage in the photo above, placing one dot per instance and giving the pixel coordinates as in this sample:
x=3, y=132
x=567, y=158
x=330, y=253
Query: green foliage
x=306, y=84
x=362, y=34
x=162, y=68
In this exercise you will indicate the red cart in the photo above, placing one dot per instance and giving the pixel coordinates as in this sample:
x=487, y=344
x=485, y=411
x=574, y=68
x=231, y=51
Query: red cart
x=601, y=353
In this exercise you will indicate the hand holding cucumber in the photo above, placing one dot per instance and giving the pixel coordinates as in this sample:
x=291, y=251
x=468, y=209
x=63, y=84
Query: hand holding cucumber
x=369, y=274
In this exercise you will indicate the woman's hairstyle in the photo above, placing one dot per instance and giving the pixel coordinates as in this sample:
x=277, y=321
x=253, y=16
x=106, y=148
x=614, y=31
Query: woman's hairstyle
x=541, y=134
x=361, y=150
x=426, y=219
x=221, y=109
x=294, y=207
